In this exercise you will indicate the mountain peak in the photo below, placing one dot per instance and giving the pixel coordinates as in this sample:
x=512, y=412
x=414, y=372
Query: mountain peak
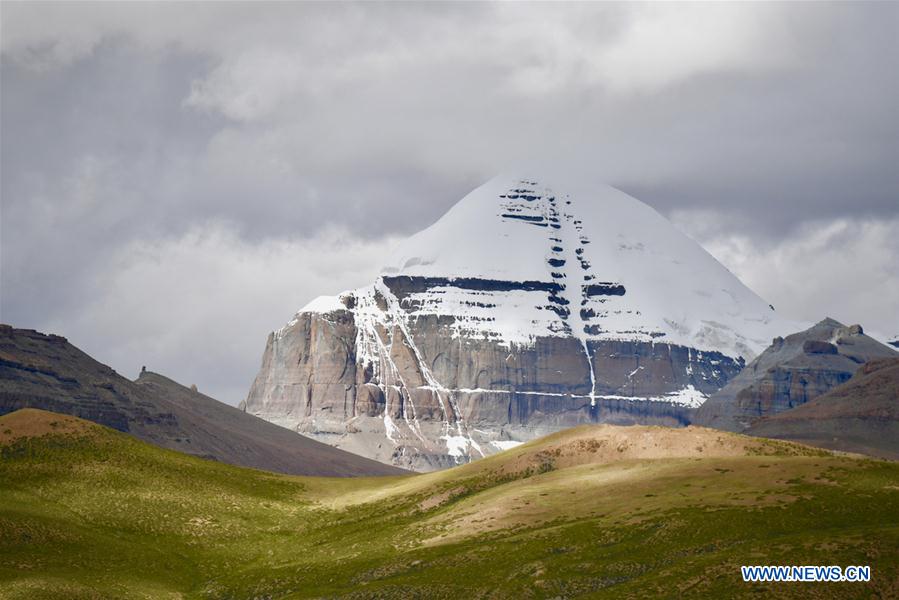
x=829, y=322
x=528, y=307
x=611, y=265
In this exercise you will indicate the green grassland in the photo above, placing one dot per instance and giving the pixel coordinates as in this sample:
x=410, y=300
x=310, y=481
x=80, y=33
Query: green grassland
x=87, y=512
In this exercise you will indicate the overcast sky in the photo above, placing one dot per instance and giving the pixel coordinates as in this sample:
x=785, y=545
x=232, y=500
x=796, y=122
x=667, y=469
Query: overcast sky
x=178, y=179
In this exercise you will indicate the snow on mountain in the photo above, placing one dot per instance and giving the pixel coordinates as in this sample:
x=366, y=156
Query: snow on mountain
x=622, y=271
x=526, y=308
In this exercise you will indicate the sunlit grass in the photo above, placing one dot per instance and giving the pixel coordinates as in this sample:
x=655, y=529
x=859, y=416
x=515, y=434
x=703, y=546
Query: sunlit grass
x=95, y=513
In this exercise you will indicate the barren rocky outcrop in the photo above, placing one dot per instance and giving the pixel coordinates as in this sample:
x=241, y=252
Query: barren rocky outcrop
x=791, y=372
x=861, y=415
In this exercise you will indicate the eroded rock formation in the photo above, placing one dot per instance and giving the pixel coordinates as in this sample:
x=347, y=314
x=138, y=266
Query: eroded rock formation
x=523, y=311
x=791, y=372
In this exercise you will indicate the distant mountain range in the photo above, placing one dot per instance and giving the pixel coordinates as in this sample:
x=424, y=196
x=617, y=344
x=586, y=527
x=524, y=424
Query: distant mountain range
x=47, y=372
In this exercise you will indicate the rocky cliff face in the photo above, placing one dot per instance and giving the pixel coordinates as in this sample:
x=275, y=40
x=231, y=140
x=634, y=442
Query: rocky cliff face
x=861, y=415
x=791, y=372
x=523, y=311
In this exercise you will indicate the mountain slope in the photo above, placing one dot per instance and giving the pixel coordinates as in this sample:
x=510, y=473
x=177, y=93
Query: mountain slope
x=861, y=415
x=792, y=371
x=525, y=309
x=45, y=371
x=601, y=511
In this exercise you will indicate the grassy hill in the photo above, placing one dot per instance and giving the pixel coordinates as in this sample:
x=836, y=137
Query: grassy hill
x=598, y=511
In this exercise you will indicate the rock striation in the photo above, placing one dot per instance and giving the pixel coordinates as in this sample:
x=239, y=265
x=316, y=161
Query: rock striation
x=790, y=373
x=860, y=415
x=526, y=309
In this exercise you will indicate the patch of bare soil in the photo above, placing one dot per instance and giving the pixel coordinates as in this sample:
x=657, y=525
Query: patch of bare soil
x=601, y=444
x=31, y=422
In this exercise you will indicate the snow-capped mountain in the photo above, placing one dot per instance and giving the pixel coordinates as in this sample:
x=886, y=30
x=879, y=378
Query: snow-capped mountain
x=619, y=269
x=525, y=309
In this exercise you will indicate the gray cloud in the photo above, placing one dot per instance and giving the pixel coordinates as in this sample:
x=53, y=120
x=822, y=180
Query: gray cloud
x=145, y=142
x=845, y=268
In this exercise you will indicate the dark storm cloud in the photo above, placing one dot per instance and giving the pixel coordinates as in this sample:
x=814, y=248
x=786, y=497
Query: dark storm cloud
x=177, y=178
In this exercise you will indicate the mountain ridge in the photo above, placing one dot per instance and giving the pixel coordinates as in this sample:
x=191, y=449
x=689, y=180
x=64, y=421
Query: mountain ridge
x=860, y=415
x=47, y=372
x=792, y=371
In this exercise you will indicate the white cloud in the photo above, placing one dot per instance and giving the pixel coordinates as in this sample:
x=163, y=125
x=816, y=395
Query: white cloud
x=847, y=269
x=268, y=57
x=251, y=85
x=667, y=43
x=197, y=307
